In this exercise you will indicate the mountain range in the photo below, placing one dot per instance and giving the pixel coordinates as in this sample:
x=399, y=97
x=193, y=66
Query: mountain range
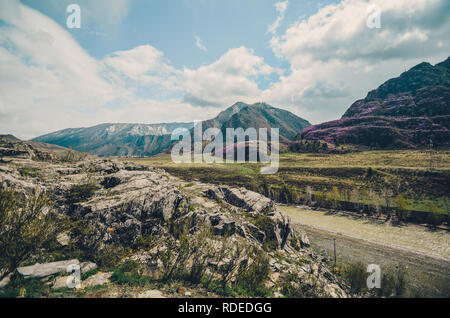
x=407, y=112
x=116, y=139
x=151, y=139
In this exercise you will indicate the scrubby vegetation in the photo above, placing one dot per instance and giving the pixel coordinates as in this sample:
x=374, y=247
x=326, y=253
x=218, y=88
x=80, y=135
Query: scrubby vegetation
x=27, y=223
x=226, y=267
x=82, y=192
x=394, y=281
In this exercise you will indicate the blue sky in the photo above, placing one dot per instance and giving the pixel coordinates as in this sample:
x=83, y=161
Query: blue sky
x=181, y=60
x=171, y=26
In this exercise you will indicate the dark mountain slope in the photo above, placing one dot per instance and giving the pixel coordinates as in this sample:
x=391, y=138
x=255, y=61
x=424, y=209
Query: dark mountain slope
x=404, y=112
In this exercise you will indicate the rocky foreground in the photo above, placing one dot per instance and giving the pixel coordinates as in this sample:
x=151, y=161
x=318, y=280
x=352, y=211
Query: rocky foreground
x=115, y=214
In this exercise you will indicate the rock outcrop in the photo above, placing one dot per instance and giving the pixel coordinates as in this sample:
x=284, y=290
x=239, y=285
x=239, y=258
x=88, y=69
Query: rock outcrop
x=120, y=205
x=47, y=269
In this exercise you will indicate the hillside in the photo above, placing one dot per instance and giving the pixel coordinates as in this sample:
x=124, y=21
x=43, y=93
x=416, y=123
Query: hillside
x=10, y=146
x=259, y=115
x=405, y=112
x=135, y=229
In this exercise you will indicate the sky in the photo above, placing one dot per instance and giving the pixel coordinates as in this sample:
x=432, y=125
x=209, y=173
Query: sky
x=153, y=61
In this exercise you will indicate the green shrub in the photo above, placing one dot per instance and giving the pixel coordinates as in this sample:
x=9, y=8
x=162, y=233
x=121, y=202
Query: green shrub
x=25, y=287
x=27, y=223
x=130, y=278
x=30, y=172
x=266, y=224
x=129, y=274
x=393, y=282
x=251, y=279
x=295, y=243
x=437, y=216
x=82, y=192
x=146, y=242
x=292, y=286
x=356, y=276
x=89, y=273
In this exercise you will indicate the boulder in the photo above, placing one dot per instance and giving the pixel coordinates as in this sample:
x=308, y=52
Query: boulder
x=5, y=281
x=97, y=279
x=242, y=198
x=47, y=269
x=63, y=239
x=151, y=294
x=304, y=241
x=87, y=266
x=60, y=282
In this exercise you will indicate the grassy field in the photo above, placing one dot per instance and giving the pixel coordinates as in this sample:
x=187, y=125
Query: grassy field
x=372, y=177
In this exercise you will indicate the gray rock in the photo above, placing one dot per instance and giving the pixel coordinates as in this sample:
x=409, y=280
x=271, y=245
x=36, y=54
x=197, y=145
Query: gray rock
x=304, y=241
x=151, y=294
x=5, y=281
x=63, y=239
x=47, y=269
x=242, y=198
x=97, y=279
x=87, y=266
x=60, y=282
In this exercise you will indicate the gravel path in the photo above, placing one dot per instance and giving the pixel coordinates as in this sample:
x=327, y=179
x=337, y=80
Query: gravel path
x=360, y=240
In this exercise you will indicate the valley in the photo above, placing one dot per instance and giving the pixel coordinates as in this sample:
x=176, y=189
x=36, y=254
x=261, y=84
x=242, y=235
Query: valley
x=366, y=181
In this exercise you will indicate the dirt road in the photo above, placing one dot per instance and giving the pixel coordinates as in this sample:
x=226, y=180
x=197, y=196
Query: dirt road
x=359, y=241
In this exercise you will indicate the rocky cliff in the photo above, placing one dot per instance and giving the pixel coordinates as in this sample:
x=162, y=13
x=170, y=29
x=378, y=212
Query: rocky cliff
x=116, y=206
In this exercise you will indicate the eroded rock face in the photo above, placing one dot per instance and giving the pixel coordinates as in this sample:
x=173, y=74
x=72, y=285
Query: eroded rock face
x=242, y=198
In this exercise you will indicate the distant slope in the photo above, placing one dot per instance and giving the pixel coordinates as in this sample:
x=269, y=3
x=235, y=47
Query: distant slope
x=257, y=116
x=151, y=139
x=404, y=112
x=116, y=139
x=10, y=146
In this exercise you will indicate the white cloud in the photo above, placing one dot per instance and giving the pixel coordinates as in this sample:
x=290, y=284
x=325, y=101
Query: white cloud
x=280, y=7
x=335, y=58
x=339, y=31
x=230, y=78
x=45, y=74
x=199, y=44
x=146, y=65
x=48, y=82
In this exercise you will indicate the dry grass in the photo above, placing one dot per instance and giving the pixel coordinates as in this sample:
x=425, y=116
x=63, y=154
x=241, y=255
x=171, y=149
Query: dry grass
x=401, y=171
x=412, y=159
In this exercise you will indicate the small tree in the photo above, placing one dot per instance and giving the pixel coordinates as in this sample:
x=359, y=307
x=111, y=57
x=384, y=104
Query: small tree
x=27, y=222
x=436, y=214
x=402, y=206
x=309, y=194
x=387, y=194
x=335, y=196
